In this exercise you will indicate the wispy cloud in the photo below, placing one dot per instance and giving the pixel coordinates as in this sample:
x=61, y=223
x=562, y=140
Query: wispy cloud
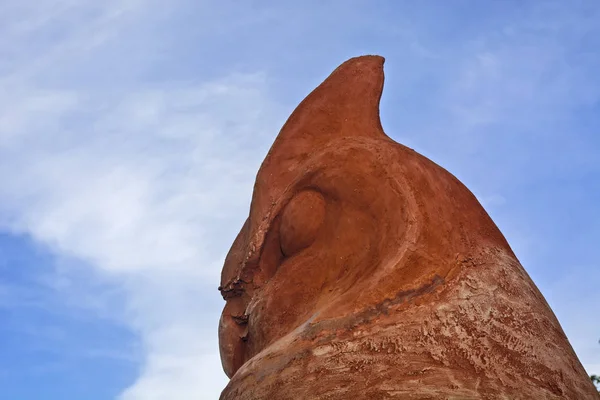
x=138, y=192
x=138, y=183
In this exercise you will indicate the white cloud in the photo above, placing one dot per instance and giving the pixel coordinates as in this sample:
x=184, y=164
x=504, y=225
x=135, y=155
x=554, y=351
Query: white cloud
x=144, y=174
x=147, y=185
x=137, y=193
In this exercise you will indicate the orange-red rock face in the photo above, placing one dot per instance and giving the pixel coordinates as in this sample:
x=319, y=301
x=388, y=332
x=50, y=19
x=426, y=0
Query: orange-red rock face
x=366, y=271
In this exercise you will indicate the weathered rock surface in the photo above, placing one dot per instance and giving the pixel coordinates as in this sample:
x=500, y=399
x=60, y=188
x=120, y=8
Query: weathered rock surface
x=366, y=271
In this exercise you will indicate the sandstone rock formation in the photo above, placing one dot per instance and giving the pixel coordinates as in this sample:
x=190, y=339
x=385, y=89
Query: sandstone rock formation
x=366, y=271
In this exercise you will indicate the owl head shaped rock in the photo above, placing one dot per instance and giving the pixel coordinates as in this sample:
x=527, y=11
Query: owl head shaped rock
x=366, y=271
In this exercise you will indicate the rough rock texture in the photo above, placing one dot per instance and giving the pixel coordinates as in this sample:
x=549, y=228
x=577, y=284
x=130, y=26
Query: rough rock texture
x=366, y=271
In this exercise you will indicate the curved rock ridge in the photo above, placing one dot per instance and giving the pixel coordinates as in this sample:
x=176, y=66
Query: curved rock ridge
x=366, y=271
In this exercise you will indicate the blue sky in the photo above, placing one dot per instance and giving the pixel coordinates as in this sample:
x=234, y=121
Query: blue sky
x=131, y=132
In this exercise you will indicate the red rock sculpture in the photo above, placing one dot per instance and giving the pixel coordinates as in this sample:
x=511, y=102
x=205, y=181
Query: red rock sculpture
x=366, y=271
